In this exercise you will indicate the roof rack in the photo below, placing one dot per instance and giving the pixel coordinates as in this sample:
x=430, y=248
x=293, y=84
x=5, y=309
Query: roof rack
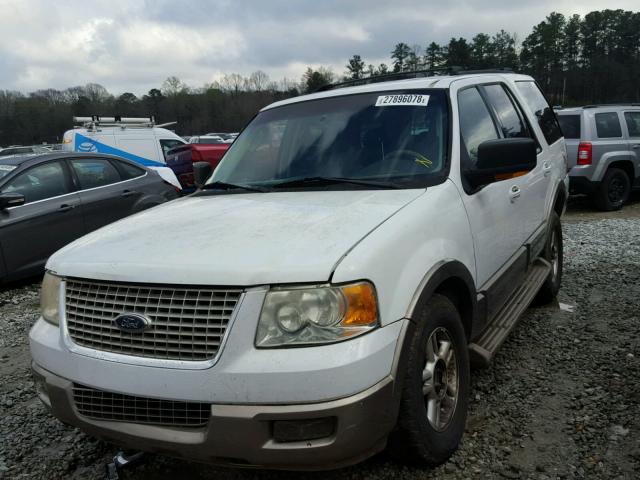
x=96, y=121
x=624, y=104
x=430, y=72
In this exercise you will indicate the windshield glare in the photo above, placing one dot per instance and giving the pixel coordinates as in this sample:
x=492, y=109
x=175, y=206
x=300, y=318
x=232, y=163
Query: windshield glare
x=6, y=170
x=401, y=139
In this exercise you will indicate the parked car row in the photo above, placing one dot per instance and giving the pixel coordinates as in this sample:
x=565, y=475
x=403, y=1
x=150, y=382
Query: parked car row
x=151, y=145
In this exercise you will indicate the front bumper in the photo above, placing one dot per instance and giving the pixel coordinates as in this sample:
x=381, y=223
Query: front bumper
x=243, y=435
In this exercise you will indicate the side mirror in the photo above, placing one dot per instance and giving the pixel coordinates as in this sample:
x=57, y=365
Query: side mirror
x=502, y=159
x=201, y=172
x=11, y=199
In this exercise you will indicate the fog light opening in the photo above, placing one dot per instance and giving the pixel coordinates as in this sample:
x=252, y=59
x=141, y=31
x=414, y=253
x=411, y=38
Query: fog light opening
x=303, y=430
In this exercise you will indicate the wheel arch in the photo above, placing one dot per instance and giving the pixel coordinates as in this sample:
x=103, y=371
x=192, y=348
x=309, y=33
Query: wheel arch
x=560, y=199
x=453, y=280
x=626, y=166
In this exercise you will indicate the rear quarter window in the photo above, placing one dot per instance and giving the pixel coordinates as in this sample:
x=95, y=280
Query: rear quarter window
x=608, y=125
x=570, y=125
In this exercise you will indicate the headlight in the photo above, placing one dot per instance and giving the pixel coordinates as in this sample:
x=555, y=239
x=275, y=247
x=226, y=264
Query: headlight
x=307, y=316
x=50, y=298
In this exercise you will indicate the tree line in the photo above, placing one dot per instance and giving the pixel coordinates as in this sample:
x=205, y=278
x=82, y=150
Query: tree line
x=577, y=60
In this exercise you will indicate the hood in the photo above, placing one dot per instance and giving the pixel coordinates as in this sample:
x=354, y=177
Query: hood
x=234, y=239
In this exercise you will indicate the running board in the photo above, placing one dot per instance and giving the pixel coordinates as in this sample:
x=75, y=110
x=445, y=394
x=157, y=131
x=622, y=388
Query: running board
x=481, y=352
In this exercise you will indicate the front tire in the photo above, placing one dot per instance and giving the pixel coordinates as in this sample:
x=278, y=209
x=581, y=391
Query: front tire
x=435, y=395
x=553, y=253
x=613, y=191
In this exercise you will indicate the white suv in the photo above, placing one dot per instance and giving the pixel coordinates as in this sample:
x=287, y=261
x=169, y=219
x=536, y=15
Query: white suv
x=324, y=292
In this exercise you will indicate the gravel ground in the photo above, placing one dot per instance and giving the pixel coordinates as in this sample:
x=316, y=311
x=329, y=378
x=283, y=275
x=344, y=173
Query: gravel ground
x=561, y=399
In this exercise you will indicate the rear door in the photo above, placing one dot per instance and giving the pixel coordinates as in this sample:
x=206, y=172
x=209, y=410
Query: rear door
x=106, y=193
x=50, y=218
x=552, y=158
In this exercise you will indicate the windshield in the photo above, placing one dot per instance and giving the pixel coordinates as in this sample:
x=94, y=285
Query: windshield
x=384, y=136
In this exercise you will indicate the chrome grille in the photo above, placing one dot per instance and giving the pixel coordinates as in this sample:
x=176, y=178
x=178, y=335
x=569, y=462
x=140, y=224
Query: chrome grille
x=186, y=323
x=101, y=405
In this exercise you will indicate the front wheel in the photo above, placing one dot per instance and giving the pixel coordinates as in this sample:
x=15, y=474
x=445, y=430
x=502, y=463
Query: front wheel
x=553, y=253
x=433, y=408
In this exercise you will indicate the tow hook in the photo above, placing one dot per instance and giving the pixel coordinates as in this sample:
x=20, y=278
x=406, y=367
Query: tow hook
x=119, y=462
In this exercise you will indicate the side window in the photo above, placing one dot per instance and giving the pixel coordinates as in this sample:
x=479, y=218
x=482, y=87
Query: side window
x=128, y=171
x=543, y=112
x=510, y=120
x=168, y=145
x=633, y=123
x=608, y=125
x=476, y=124
x=40, y=182
x=94, y=172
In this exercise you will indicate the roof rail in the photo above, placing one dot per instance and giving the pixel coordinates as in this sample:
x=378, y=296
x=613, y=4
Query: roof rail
x=624, y=104
x=429, y=72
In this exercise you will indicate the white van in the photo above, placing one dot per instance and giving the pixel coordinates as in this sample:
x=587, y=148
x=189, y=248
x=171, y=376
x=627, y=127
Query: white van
x=136, y=139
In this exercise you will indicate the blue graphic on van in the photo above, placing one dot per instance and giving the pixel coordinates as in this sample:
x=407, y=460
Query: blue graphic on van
x=86, y=144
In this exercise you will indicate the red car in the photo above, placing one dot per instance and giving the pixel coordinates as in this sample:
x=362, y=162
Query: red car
x=199, y=149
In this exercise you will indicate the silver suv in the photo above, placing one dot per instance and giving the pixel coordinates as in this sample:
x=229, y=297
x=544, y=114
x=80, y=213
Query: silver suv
x=603, y=148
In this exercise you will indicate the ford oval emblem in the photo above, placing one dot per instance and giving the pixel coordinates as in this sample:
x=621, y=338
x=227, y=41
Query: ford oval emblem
x=132, y=322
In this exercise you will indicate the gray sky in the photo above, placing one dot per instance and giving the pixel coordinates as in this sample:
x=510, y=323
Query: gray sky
x=133, y=45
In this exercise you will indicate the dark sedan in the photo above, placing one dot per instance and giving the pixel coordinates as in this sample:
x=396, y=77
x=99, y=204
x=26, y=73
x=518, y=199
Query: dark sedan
x=49, y=200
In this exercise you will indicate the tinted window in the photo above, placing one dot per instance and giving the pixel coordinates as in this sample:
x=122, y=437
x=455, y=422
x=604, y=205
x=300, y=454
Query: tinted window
x=168, y=145
x=40, y=182
x=608, y=125
x=391, y=136
x=570, y=125
x=128, y=171
x=633, y=123
x=510, y=120
x=543, y=112
x=6, y=170
x=476, y=124
x=94, y=173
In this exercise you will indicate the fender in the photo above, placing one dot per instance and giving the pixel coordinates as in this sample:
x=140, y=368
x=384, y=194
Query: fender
x=607, y=159
x=450, y=273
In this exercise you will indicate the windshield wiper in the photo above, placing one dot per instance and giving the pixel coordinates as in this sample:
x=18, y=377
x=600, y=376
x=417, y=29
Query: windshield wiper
x=232, y=186
x=301, y=182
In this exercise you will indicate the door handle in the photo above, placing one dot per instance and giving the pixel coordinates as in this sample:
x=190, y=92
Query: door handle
x=515, y=193
x=546, y=168
x=636, y=146
x=65, y=207
x=128, y=193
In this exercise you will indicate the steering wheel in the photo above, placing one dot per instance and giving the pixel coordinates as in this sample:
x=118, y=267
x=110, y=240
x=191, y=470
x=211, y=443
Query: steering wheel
x=412, y=155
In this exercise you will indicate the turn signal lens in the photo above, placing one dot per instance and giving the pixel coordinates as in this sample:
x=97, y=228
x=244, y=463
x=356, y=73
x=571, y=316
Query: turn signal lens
x=362, y=308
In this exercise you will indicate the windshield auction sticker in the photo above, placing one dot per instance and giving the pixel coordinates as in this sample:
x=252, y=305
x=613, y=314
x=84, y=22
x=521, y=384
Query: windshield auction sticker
x=409, y=99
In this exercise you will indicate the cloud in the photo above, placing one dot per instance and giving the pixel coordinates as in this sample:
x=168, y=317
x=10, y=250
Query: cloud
x=133, y=45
